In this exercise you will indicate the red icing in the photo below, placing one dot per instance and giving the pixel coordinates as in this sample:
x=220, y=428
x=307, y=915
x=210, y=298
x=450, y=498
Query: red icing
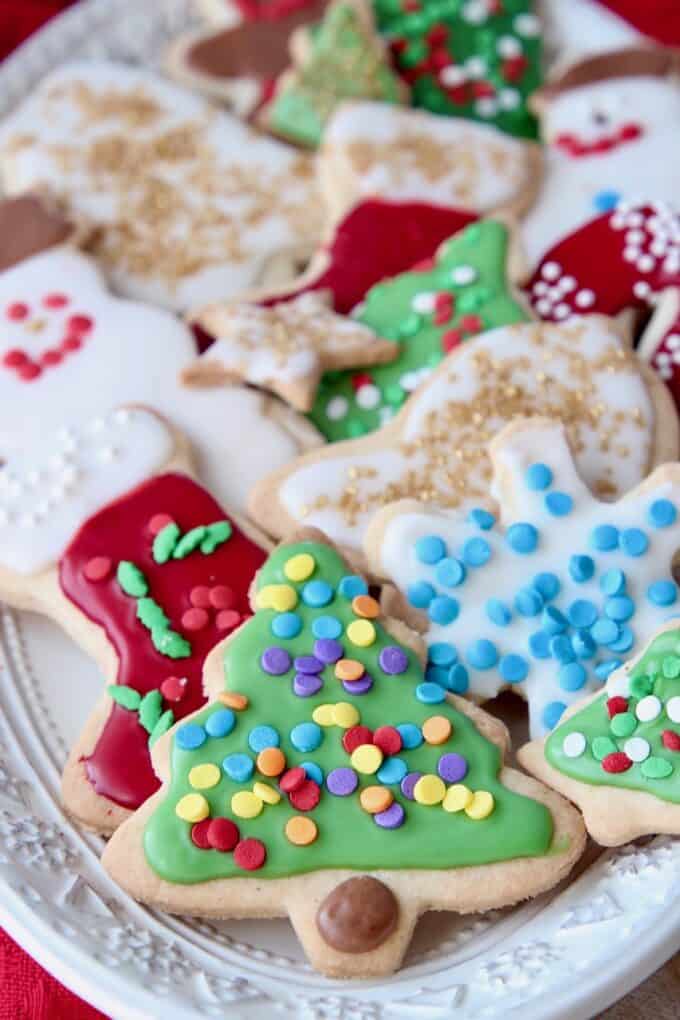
x=616, y=762
x=55, y=301
x=616, y=705
x=75, y=328
x=388, y=739
x=250, y=854
x=577, y=147
x=269, y=10
x=119, y=767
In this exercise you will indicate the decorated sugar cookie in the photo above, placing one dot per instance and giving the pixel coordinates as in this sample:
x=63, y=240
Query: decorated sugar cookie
x=617, y=754
x=284, y=348
x=191, y=205
x=619, y=418
x=323, y=762
x=549, y=598
x=660, y=343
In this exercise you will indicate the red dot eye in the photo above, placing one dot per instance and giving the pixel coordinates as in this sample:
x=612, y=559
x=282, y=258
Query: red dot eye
x=17, y=311
x=79, y=324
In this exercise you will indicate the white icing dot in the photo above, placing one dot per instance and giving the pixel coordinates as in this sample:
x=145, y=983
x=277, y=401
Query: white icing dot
x=337, y=408
x=475, y=67
x=562, y=311
x=544, y=307
x=509, y=99
x=659, y=248
x=555, y=293
x=462, y=275
x=641, y=289
x=386, y=414
x=645, y=263
x=423, y=302
x=637, y=748
x=584, y=299
x=631, y=253
x=662, y=359
x=635, y=219
x=475, y=12
x=452, y=76
x=673, y=709
x=635, y=237
x=567, y=284
x=508, y=46
x=551, y=271
x=672, y=265
x=676, y=357
x=368, y=396
x=673, y=341
x=527, y=24
x=648, y=708
x=539, y=288
x=617, y=222
x=574, y=744
x=408, y=381
x=666, y=373
x=486, y=107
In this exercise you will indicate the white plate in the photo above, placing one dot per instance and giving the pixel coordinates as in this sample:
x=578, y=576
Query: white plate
x=566, y=955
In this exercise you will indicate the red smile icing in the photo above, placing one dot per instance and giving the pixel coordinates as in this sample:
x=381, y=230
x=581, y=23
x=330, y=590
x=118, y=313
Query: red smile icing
x=578, y=147
x=75, y=329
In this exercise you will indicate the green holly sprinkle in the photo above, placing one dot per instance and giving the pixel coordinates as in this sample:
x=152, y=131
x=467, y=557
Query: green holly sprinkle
x=151, y=615
x=216, y=535
x=169, y=642
x=164, y=543
x=150, y=709
x=189, y=542
x=131, y=579
x=126, y=697
x=162, y=726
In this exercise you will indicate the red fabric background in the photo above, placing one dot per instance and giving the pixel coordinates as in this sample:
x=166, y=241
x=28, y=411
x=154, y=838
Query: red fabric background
x=27, y=992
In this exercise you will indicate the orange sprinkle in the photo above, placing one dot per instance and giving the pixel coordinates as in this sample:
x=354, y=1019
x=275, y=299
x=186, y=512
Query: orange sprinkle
x=375, y=799
x=233, y=700
x=348, y=669
x=271, y=761
x=301, y=831
x=436, y=729
x=366, y=606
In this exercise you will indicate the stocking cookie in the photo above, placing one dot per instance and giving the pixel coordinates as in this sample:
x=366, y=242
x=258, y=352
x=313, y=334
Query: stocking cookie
x=320, y=763
x=617, y=754
x=285, y=348
x=619, y=417
x=549, y=598
x=192, y=206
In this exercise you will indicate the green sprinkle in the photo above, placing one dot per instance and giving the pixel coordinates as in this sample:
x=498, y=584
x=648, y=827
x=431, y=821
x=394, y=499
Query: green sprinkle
x=162, y=726
x=656, y=768
x=164, y=543
x=410, y=326
x=623, y=724
x=395, y=395
x=189, y=542
x=641, y=686
x=131, y=579
x=670, y=667
x=602, y=746
x=216, y=535
x=150, y=710
x=150, y=614
x=356, y=428
x=169, y=643
x=128, y=697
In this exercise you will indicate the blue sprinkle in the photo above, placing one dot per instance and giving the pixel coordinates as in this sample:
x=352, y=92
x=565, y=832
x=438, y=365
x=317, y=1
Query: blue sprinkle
x=441, y=653
x=476, y=552
x=317, y=593
x=437, y=675
x=613, y=582
x=548, y=584
x=420, y=594
x=261, y=737
x=581, y=568
x=620, y=608
x=430, y=694
x=352, y=585
x=552, y=713
x=582, y=613
x=559, y=504
x=430, y=549
x=392, y=771
x=458, y=679
x=603, y=669
x=286, y=625
x=482, y=518
x=443, y=610
x=220, y=723
x=605, y=631
x=539, y=645
x=604, y=537
x=238, y=767
x=583, y=644
x=482, y=654
x=522, y=538
x=190, y=736
x=554, y=622
x=662, y=593
x=513, y=668
x=561, y=649
x=605, y=201
x=538, y=477
x=634, y=542
x=326, y=627
x=498, y=612
x=306, y=736
x=450, y=572
x=528, y=602
x=624, y=641
x=572, y=676
x=313, y=771
x=662, y=513
x=411, y=736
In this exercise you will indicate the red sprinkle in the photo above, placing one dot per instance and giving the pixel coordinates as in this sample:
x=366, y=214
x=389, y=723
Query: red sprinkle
x=450, y=339
x=55, y=300
x=174, y=688
x=618, y=761
x=471, y=324
x=221, y=597
x=360, y=379
x=71, y=344
x=306, y=796
x=200, y=596
x=79, y=324
x=17, y=311
x=227, y=619
x=671, y=740
x=292, y=779
x=355, y=736
x=250, y=854
x=195, y=619
x=50, y=357
x=29, y=371
x=388, y=739
x=199, y=833
x=514, y=67
x=443, y=308
x=98, y=568
x=223, y=834
x=616, y=705
x=14, y=358
x=158, y=522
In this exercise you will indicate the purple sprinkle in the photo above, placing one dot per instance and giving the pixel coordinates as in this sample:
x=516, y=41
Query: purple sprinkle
x=275, y=660
x=360, y=686
x=342, y=781
x=308, y=664
x=408, y=783
x=392, y=818
x=452, y=767
x=393, y=660
x=305, y=685
x=328, y=650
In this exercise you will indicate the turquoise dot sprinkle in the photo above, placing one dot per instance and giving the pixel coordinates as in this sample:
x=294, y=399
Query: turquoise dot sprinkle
x=662, y=593
x=441, y=653
x=437, y=675
x=634, y=542
x=317, y=593
x=613, y=582
x=603, y=669
x=539, y=645
x=286, y=625
x=420, y=594
x=559, y=504
x=450, y=572
x=220, y=723
x=552, y=713
x=624, y=641
x=604, y=538
x=581, y=568
x=572, y=676
x=620, y=608
x=482, y=518
x=605, y=631
x=392, y=771
x=528, y=602
x=522, y=538
x=306, y=736
x=190, y=737
x=430, y=694
x=513, y=668
x=662, y=513
x=482, y=654
x=498, y=612
x=238, y=767
x=352, y=585
x=443, y=610
x=538, y=477
x=476, y=552
x=261, y=737
x=326, y=627
x=553, y=621
x=548, y=584
x=582, y=613
x=313, y=771
x=583, y=644
x=561, y=649
x=411, y=735
x=459, y=680
x=430, y=549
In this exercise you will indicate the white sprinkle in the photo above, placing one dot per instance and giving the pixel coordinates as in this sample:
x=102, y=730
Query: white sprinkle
x=452, y=76
x=462, y=275
x=567, y=284
x=527, y=24
x=551, y=271
x=509, y=99
x=648, y=708
x=508, y=46
x=637, y=749
x=337, y=408
x=544, y=307
x=631, y=253
x=423, y=302
x=539, y=288
x=673, y=341
x=368, y=397
x=584, y=299
x=618, y=684
x=574, y=744
x=475, y=67
x=562, y=311
x=646, y=263
x=486, y=107
x=673, y=709
x=641, y=289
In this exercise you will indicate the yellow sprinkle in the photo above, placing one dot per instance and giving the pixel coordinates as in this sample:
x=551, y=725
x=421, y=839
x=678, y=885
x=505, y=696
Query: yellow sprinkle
x=203, y=777
x=457, y=798
x=481, y=806
x=245, y=804
x=280, y=597
x=266, y=793
x=300, y=567
x=367, y=758
x=429, y=790
x=193, y=807
x=324, y=715
x=361, y=633
x=345, y=715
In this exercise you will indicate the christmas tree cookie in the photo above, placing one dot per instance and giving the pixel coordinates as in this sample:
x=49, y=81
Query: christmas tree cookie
x=617, y=754
x=427, y=312
x=326, y=756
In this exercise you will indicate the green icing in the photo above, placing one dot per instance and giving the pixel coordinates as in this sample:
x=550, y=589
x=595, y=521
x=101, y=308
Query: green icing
x=477, y=255
x=656, y=674
x=348, y=836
